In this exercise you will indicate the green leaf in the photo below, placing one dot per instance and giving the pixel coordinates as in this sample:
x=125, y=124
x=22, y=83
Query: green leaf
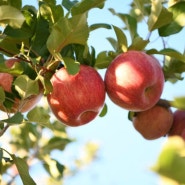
x=40, y=116
x=178, y=22
x=53, y=167
x=68, y=31
x=72, y=65
x=12, y=16
x=171, y=161
x=17, y=118
x=130, y=22
x=16, y=69
x=85, y=5
x=103, y=60
x=68, y=4
x=159, y=16
x=121, y=39
x=179, y=102
x=2, y=95
x=51, y=12
x=99, y=25
x=56, y=142
x=168, y=52
x=23, y=170
x=25, y=86
x=104, y=111
x=8, y=46
x=138, y=44
x=15, y=3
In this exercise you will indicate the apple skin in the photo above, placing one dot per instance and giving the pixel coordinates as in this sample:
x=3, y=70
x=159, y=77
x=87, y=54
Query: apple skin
x=178, y=126
x=6, y=81
x=134, y=81
x=154, y=122
x=76, y=99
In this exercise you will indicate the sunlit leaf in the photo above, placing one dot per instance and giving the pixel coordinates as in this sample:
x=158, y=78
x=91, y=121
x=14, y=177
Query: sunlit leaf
x=86, y=5
x=40, y=116
x=121, y=39
x=53, y=167
x=25, y=86
x=16, y=69
x=68, y=31
x=138, y=44
x=179, y=102
x=130, y=22
x=171, y=161
x=23, y=170
x=12, y=16
x=103, y=60
x=160, y=16
x=178, y=21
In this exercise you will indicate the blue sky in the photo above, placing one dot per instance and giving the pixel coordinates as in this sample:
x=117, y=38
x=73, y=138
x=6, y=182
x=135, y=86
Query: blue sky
x=124, y=156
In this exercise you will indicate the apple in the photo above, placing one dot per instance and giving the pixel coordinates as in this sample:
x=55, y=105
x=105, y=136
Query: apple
x=76, y=99
x=134, y=81
x=154, y=122
x=6, y=81
x=178, y=126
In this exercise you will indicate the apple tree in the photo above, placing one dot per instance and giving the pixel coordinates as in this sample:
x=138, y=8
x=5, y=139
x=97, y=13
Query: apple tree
x=39, y=41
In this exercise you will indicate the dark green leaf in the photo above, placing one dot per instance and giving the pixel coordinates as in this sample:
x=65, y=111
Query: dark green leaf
x=68, y=4
x=159, y=17
x=68, y=31
x=23, y=170
x=41, y=35
x=9, y=46
x=12, y=16
x=86, y=5
x=131, y=115
x=99, y=25
x=17, y=118
x=104, y=111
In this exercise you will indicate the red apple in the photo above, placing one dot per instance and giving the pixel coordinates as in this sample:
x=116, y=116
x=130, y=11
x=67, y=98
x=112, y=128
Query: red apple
x=134, y=81
x=154, y=122
x=6, y=81
x=76, y=99
x=178, y=126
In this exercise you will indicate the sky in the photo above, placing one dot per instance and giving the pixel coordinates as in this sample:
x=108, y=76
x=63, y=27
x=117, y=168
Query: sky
x=125, y=156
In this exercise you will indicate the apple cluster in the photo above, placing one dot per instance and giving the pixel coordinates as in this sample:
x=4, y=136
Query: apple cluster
x=133, y=81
